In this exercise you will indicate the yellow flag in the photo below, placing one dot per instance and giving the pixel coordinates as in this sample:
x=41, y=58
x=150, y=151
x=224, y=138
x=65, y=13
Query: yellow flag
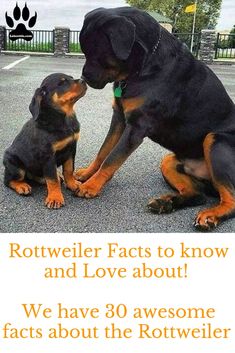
x=191, y=8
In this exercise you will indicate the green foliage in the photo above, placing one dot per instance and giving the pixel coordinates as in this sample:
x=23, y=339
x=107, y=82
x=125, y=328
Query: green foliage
x=232, y=30
x=75, y=48
x=141, y=4
x=207, y=12
x=232, y=38
x=29, y=46
x=227, y=41
x=39, y=47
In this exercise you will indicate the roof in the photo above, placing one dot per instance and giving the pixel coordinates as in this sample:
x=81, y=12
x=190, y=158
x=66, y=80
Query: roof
x=159, y=18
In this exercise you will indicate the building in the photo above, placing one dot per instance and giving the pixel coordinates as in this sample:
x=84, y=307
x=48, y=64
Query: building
x=164, y=21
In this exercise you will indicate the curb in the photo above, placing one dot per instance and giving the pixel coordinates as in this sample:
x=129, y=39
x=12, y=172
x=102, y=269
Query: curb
x=20, y=53
x=225, y=62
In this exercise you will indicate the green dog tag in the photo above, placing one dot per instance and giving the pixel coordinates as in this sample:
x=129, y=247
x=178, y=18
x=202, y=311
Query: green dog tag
x=118, y=92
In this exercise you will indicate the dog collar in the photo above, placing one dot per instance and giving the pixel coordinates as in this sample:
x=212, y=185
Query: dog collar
x=158, y=42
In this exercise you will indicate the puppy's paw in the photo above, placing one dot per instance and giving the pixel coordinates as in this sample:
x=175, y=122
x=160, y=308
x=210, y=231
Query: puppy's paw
x=21, y=187
x=88, y=190
x=82, y=174
x=54, y=201
x=206, y=221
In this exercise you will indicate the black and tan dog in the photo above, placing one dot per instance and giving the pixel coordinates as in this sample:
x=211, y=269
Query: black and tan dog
x=161, y=92
x=47, y=140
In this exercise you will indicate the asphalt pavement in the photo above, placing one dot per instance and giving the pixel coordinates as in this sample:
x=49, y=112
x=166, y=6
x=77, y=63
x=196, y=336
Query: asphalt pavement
x=122, y=204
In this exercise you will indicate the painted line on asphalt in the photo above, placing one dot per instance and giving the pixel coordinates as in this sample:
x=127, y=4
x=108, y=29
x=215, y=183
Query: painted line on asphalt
x=8, y=67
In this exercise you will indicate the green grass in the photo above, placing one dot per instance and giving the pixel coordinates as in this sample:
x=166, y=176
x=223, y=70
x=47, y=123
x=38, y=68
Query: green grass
x=75, y=48
x=30, y=46
x=43, y=47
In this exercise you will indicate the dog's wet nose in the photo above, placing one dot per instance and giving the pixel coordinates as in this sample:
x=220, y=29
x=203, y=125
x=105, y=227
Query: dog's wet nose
x=82, y=81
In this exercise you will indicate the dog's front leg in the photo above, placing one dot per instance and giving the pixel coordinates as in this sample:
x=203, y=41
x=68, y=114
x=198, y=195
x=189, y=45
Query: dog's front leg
x=115, y=131
x=131, y=138
x=54, y=197
x=68, y=171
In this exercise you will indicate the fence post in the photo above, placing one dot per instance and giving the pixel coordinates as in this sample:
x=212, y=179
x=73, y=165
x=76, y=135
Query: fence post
x=207, y=46
x=2, y=38
x=61, y=41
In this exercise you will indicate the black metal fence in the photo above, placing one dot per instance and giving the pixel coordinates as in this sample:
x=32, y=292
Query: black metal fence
x=43, y=41
x=74, y=45
x=187, y=38
x=225, y=46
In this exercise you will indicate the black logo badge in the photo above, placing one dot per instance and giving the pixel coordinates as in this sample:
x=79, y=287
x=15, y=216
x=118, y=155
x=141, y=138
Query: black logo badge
x=21, y=31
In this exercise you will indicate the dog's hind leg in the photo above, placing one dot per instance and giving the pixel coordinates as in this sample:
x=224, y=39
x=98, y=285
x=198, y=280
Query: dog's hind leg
x=189, y=193
x=219, y=151
x=14, y=177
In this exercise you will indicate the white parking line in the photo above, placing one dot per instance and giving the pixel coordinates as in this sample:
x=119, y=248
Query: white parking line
x=8, y=67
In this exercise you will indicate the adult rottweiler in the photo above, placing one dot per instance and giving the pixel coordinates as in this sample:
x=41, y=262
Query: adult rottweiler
x=161, y=92
x=47, y=140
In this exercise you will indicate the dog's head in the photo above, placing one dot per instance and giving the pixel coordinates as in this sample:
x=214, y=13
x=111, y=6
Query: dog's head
x=107, y=40
x=57, y=92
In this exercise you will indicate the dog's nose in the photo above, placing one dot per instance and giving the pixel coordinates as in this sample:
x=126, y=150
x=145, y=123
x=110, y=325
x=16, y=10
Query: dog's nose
x=82, y=80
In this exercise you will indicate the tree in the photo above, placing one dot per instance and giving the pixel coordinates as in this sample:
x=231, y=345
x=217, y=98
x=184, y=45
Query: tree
x=207, y=12
x=232, y=38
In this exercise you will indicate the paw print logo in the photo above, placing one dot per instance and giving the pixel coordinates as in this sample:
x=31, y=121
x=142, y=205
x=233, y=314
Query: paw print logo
x=21, y=30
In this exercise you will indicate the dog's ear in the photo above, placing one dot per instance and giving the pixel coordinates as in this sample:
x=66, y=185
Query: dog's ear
x=36, y=102
x=121, y=33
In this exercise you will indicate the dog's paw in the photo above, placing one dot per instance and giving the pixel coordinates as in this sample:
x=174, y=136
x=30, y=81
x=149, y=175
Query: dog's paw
x=206, y=221
x=82, y=174
x=55, y=202
x=88, y=190
x=160, y=205
x=73, y=184
x=21, y=187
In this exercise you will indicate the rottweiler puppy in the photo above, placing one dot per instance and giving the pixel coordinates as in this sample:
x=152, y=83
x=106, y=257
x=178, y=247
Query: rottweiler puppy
x=48, y=140
x=162, y=92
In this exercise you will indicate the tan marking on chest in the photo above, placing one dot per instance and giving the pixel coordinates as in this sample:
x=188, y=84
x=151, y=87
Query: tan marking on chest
x=114, y=104
x=61, y=144
x=131, y=104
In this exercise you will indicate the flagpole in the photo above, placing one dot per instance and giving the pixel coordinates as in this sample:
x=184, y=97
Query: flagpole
x=194, y=21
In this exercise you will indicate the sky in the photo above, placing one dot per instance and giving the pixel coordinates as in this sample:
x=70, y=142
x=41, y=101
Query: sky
x=70, y=13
